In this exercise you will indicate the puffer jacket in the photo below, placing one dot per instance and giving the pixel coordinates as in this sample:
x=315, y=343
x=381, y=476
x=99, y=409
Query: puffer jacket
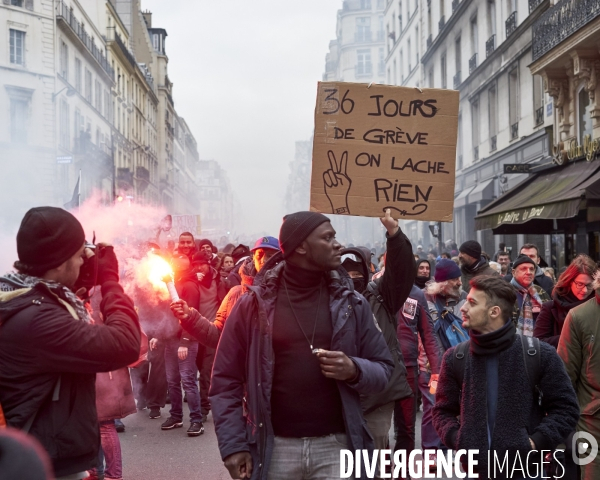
x=393, y=287
x=43, y=346
x=579, y=348
x=242, y=378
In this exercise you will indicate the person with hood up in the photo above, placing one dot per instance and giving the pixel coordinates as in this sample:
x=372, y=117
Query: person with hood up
x=294, y=357
x=386, y=295
x=206, y=248
x=472, y=263
x=240, y=254
x=423, y=273
x=49, y=349
x=574, y=287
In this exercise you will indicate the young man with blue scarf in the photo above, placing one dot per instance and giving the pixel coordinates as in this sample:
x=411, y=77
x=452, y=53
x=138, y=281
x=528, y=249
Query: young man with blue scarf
x=530, y=297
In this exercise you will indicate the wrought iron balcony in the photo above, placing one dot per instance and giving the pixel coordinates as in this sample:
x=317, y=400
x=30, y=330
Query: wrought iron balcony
x=514, y=130
x=113, y=36
x=475, y=154
x=539, y=116
x=493, y=144
x=511, y=23
x=429, y=40
x=533, y=4
x=456, y=80
x=490, y=46
x=559, y=22
x=472, y=63
x=64, y=13
x=455, y=5
x=441, y=23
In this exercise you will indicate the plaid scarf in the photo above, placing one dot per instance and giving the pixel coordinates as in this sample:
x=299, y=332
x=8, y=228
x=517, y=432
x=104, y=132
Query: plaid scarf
x=14, y=281
x=529, y=297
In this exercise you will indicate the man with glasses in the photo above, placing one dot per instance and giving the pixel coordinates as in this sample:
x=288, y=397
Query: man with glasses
x=530, y=297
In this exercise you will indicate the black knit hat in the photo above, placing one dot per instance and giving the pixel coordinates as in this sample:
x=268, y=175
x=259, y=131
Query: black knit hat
x=296, y=227
x=48, y=237
x=521, y=259
x=471, y=248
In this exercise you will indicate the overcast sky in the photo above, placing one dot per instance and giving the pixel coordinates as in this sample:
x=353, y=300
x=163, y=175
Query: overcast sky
x=245, y=76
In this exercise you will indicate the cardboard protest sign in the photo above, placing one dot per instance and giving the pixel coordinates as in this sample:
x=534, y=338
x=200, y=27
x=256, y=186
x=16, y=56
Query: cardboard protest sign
x=186, y=223
x=384, y=147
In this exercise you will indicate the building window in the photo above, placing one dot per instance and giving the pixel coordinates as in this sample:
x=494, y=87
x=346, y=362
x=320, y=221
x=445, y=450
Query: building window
x=77, y=125
x=395, y=70
x=17, y=47
x=364, y=66
x=365, y=4
x=64, y=125
x=513, y=102
x=459, y=145
x=493, y=117
x=458, y=56
x=88, y=85
x=491, y=17
x=584, y=114
x=443, y=71
x=474, y=36
x=408, y=52
x=381, y=65
x=78, y=84
x=19, y=117
x=475, y=128
x=363, y=29
x=401, y=66
x=64, y=60
x=431, y=78
x=106, y=111
x=16, y=3
x=538, y=100
x=98, y=97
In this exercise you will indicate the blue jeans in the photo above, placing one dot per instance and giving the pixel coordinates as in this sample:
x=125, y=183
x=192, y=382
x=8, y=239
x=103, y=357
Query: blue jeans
x=110, y=450
x=182, y=372
x=429, y=437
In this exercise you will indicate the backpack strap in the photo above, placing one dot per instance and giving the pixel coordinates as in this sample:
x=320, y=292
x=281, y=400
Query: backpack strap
x=460, y=353
x=374, y=289
x=532, y=357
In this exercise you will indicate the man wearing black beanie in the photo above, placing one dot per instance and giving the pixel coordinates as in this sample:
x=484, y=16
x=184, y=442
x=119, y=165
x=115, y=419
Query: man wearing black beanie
x=49, y=350
x=472, y=263
x=295, y=355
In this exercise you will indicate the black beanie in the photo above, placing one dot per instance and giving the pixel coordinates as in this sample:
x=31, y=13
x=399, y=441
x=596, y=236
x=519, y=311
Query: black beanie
x=521, y=259
x=48, y=237
x=296, y=227
x=471, y=248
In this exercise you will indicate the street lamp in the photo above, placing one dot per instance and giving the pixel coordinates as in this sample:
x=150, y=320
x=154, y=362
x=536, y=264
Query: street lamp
x=70, y=93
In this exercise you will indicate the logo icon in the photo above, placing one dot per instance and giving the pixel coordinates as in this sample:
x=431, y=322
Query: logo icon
x=584, y=442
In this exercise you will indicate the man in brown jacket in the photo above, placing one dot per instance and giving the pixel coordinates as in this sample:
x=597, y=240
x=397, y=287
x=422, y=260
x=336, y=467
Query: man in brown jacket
x=472, y=263
x=580, y=352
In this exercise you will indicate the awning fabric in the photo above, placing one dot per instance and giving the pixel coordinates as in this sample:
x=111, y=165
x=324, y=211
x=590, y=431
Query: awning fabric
x=483, y=191
x=461, y=199
x=552, y=194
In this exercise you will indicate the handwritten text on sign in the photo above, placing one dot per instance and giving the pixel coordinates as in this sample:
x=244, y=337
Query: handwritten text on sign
x=384, y=147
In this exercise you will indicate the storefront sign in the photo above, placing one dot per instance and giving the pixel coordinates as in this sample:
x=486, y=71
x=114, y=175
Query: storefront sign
x=378, y=147
x=517, y=168
x=520, y=216
x=573, y=151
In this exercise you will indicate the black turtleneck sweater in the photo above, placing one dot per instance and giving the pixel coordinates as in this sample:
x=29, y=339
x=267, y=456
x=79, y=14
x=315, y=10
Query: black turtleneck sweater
x=304, y=403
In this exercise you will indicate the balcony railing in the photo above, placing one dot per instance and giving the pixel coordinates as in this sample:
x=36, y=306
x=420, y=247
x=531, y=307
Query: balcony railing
x=533, y=4
x=539, y=116
x=511, y=23
x=441, y=23
x=472, y=63
x=559, y=22
x=475, y=154
x=455, y=5
x=514, y=131
x=115, y=37
x=66, y=13
x=490, y=46
x=362, y=37
x=429, y=40
x=493, y=144
x=456, y=81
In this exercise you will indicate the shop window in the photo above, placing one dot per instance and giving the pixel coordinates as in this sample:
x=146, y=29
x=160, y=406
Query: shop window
x=584, y=117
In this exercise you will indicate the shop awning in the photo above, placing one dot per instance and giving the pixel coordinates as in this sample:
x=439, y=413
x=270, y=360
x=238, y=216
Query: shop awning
x=461, y=199
x=482, y=191
x=553, y=194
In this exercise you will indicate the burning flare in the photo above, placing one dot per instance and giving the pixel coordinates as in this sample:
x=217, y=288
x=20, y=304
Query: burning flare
x=160, y=275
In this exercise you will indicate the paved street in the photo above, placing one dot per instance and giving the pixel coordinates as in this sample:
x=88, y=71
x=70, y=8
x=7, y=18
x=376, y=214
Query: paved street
x=152, y=454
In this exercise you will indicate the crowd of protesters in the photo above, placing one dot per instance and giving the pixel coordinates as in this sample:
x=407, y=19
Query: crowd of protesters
x=298, y=347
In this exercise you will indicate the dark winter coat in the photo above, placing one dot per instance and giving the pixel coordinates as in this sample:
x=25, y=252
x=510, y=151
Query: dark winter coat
x=518, y=417
x=414, y=320
x=482, y=267
x=549, y=322
x=393, y=287
x=42, y=344
x=242, y=378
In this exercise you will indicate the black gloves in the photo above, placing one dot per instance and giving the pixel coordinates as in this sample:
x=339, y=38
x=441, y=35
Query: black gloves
x=108, y=265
